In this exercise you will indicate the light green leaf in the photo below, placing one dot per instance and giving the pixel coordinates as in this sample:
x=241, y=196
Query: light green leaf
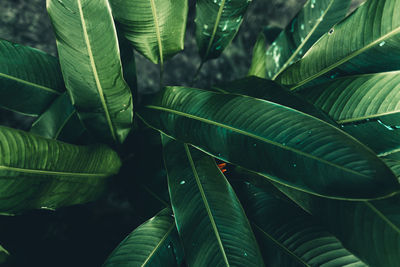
x=156, y=28
x=287, y=235
x=29, y=79
x=359, y=44
x=314, y=20
x=3, y=254
x=60, y=121
x=208, y=215
x=273, y=140
x=41, y=173
x=217, y=22
x=91, y=66
x=259, y=64
x=154, y=243
x=366, y=106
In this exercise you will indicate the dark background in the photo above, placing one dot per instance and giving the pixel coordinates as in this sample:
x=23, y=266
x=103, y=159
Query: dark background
x=84, y=235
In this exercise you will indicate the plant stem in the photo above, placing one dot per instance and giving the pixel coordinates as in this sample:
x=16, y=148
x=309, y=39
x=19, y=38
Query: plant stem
x=196, y=76
x=161, y=74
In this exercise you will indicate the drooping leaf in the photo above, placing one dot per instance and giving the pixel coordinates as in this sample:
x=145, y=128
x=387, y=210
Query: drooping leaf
x=273, y=92
x=357, y=45
x=154, y=243
x=314, y=20
x=208, y=215
x=156, y=28
x=59, y=121
x=29, y=79
x=91, y=66
x=217, y=22
x=366, y=106
x=259, y=64
x=273, y=140
x=369, y=229
x=41, y=173
x=3, y=254
x=288, y=236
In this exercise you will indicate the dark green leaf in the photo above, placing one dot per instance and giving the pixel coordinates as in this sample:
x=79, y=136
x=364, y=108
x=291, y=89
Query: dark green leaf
x=274, y=140
x=209, y=217
x=29, y=79
x=359, y=44
x=314, y=20
x=3, y=254
x=156, y=28
x=91, y=66
x=217, y=22
x=259, y=64
x=289, y=236
x=41, y=173
x=154, y=243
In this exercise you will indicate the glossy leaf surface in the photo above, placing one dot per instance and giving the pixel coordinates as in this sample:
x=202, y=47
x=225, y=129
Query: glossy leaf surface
x=41, y=173
x=89, y=56
x=259, y=64
x=154, y=243
x=156, y=28
x=3, y=254
x=288, y=236
x=274, y=140
x=359, y=44
x=60, y=121
x=208, y=215
x=366, y=106
x=314, y=20
x=217, y=22
x=29, y=79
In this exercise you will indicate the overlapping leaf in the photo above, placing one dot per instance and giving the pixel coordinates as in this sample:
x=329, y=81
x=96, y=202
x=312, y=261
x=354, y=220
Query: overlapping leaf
x=91, y=66
x=29, y=79
x=259, y=64
x=41, y=173
x=217, y=22
x=3, y=254
x=367, y=41
x=154, y=243
x=274, y=140
x=209, y=217
x=314, y=20
x=156, y=28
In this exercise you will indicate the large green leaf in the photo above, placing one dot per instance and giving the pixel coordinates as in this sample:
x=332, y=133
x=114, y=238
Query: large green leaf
x=366, y=106
x=29, y=79
x=217, y=22
x=156, y=28
x=367, y=41
x=259, y=64
x=154, y=243
x=274, y=140
x=3, y=254
x=208, y=215
x=288, y=236
x=41, y=173
x=314, y=20
x=91, y=66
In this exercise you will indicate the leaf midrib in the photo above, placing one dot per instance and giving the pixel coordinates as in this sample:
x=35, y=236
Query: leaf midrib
x=158, y=244
x=47, y=172
x=382, y=216
x=7, y=76
x=158, y=34
x=220, y=10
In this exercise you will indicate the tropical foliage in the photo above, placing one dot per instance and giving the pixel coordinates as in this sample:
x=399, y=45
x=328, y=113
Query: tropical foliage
x=296, y=164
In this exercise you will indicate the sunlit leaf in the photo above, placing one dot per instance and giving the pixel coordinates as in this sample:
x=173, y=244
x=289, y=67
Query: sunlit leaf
x=273, y=140
x=89, y=56
x=209, y=217
x=41, y=173
x=259, y=64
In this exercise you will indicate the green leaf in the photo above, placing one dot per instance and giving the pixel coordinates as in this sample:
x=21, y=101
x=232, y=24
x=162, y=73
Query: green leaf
x=366, y=106
x=154, y=243
x=288, y=236
x=370, y=229
x=156, y=28
x=217, y=22
x=41, y=173
x=208, y=215
x=273, y=140
x=29, y=79
x=273, y=92
x=314, y=20
x=91, y=66
x=259, y=64
x=357, y=45
x=60, y=121
x=3, y=254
